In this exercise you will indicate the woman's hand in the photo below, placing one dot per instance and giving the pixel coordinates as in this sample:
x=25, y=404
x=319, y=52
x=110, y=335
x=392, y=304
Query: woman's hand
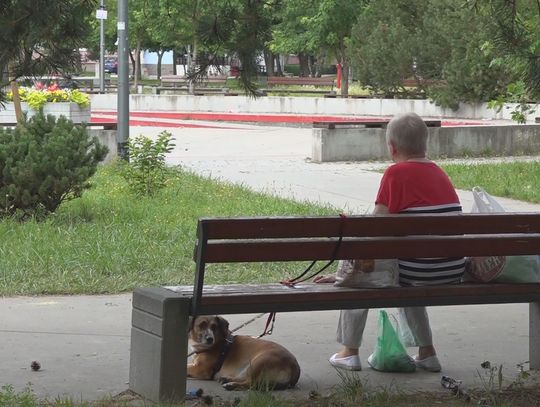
x=331, y=278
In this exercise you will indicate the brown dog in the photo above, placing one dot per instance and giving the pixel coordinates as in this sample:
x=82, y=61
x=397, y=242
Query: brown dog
x=238, y=362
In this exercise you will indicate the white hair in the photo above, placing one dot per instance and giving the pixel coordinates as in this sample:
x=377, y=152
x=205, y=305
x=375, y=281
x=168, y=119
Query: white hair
x=408, y=133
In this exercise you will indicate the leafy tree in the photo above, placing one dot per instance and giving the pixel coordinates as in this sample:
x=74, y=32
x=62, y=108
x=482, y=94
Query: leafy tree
x=468, y=69
x=172, y=30
x=333, y=24
x=383, y=45
x=514, y=47
x=238, y=27
x=439, y=43
x=293, y=33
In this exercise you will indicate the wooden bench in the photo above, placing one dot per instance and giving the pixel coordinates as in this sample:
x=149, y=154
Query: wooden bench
x=176, y=83
x=274, y=82
x=159, y=347
x=375, y=124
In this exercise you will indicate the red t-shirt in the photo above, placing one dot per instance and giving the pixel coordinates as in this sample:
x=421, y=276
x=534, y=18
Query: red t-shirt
x=411, y=185
x=422, y=187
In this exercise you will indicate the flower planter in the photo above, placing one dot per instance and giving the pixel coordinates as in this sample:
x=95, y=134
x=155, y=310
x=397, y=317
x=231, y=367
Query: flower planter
x=70, y=110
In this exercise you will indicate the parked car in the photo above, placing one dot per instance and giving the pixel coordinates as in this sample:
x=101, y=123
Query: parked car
x=111, y=65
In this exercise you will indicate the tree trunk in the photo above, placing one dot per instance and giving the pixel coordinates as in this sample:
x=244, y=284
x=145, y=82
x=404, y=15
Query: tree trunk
x=269, y=62
x=279, y=69
x=193, y=66
x=16, y=101
x=304, y=66
x=174, y=59
x=344, y=78
x=160, y=58
x=321, y=57
x=132, y=58
x=138, y=75
x=312, y=62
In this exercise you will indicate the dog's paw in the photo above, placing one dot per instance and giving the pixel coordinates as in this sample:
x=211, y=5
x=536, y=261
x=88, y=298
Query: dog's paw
x=230, y=386
x=223, y=380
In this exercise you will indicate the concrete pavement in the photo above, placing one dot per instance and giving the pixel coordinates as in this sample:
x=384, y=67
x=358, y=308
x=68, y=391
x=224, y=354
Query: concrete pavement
x=82, y=342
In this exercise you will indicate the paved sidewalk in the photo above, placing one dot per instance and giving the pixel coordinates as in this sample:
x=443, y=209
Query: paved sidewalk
x=82, y=342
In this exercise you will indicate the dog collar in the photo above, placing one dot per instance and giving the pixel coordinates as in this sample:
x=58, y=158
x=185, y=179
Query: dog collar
x=223, y=354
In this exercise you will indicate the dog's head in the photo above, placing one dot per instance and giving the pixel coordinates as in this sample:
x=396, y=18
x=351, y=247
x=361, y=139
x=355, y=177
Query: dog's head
x=207, y=331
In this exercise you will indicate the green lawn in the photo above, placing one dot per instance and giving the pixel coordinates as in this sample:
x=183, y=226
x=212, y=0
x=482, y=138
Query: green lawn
x=111, y=241
x=517, y=180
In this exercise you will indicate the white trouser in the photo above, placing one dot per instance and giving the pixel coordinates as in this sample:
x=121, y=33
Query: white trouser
x=353, y=321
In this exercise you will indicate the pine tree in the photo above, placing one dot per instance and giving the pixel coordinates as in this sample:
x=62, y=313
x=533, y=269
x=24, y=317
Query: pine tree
x=45, y=162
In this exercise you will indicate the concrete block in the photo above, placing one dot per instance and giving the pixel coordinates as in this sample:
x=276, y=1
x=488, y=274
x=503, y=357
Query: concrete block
x=70, y=110
x=107, y=138
x=534, y=335
x=158, y=355
x=363, y=144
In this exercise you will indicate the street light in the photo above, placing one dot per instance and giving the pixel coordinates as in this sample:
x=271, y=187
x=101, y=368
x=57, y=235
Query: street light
x=122, y=134
x=101, y=15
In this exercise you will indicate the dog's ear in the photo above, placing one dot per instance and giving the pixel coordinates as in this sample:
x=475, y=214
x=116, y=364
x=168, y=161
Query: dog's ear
x=223, y=325
x=191, y=323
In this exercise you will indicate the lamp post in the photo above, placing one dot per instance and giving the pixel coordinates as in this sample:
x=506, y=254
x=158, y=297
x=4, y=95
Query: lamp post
x=122, y=134
x=101, y=15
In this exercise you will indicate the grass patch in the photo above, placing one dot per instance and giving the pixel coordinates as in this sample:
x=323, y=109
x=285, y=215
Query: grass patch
x=516, y=180
x=111, y=241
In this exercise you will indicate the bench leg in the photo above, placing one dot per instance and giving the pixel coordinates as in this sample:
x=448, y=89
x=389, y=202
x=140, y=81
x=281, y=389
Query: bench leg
x=158, y=354
x=534, y=335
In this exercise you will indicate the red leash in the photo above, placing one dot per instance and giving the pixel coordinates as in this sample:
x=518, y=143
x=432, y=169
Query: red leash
x=269, y=328
x=299, y=279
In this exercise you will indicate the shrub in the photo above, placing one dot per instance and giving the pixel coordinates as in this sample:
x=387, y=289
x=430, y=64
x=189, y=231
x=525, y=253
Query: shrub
x=43, y=162
x=146, y=172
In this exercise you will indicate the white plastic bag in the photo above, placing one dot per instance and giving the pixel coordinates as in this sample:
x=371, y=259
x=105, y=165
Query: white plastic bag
x=487, y=268
x=484, y=202
x=509, y=269
x=367, y=273
x=404, y=331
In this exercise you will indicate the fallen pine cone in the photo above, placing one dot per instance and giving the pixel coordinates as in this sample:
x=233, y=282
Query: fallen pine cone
x=35, y=366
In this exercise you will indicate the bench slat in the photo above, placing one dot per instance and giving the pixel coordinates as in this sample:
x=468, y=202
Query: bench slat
x=370, y=248
x=251, y=298
x=369, y=225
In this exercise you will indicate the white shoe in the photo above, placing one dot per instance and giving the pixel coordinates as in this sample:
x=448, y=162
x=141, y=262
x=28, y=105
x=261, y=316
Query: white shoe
x=348, y=363
x=431, y=363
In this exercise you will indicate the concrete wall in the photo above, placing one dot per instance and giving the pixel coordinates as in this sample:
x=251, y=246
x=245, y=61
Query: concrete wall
x=363, y=144
x=107, y=138
x=299, y=105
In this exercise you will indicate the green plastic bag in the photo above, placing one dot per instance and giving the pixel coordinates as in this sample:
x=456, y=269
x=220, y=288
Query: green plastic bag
x=389, y=354
x=520, y=269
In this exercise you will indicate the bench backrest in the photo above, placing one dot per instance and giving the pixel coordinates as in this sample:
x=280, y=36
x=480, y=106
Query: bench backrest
x=173, y=80
x=287, y=80
x=362, y=237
